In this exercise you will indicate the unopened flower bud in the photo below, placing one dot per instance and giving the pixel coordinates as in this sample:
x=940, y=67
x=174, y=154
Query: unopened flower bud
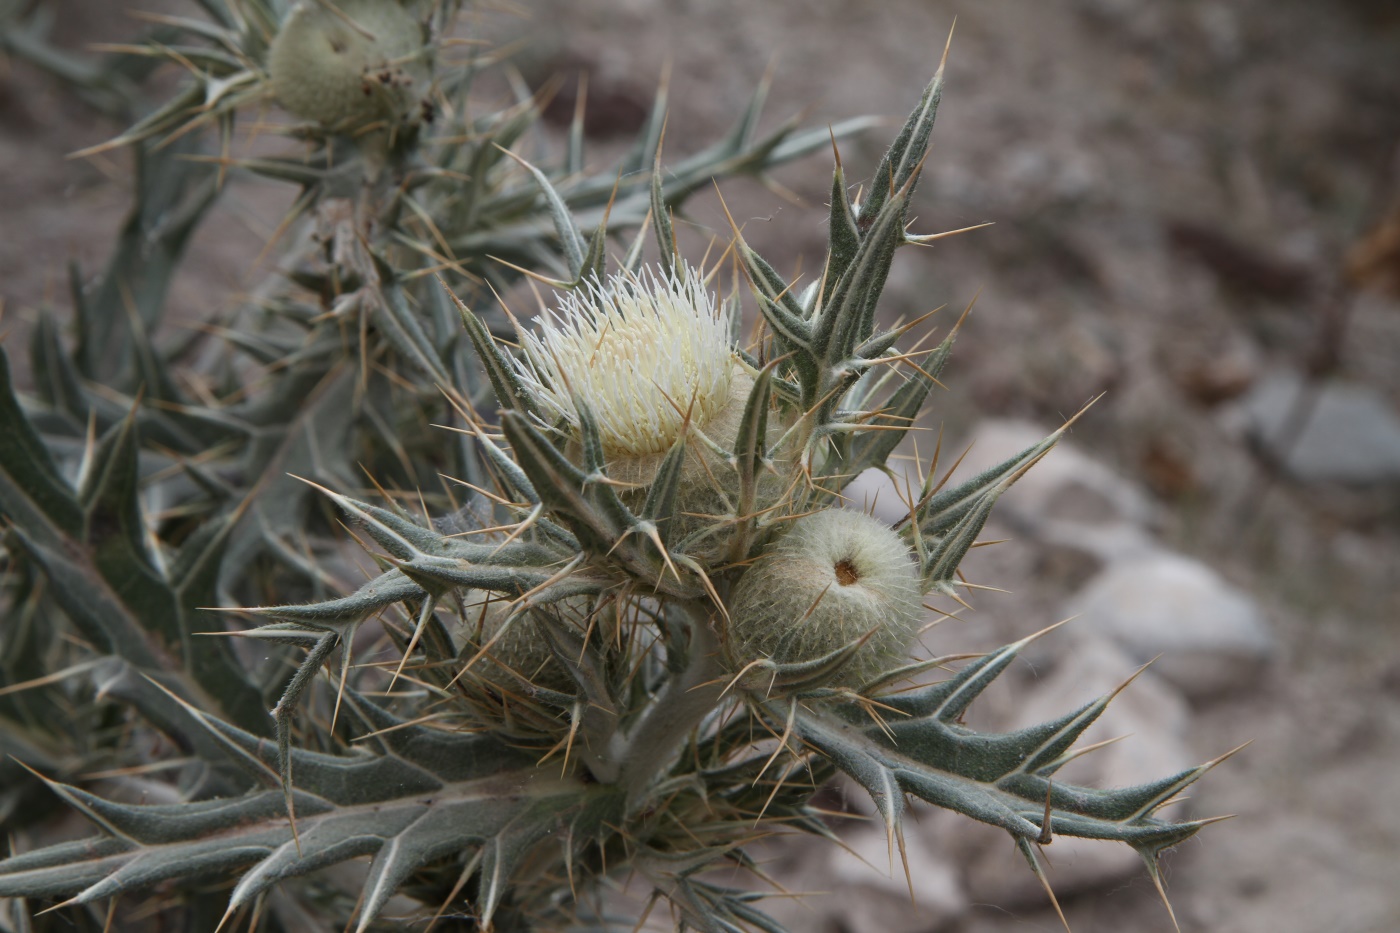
x=518, y=648
x=351, y=66
x=833, y=578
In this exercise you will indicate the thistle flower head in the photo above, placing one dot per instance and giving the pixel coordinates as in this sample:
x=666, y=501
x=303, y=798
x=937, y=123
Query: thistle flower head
x=640, y=350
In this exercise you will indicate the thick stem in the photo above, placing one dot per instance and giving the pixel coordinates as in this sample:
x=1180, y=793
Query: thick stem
x=690, y=696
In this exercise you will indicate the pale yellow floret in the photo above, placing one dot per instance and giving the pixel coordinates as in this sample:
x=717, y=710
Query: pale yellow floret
x=641, y=351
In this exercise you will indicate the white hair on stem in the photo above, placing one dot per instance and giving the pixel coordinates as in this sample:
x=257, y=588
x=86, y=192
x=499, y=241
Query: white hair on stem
x=636, y=349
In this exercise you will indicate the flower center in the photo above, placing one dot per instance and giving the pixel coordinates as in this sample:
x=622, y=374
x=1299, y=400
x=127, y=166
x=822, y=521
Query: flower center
x=846, y=572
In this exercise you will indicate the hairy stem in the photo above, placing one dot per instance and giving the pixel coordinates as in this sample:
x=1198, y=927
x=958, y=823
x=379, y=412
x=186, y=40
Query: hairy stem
x=651, y=745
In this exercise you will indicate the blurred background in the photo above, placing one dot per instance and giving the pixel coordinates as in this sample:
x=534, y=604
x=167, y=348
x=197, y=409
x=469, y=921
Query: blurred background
x=1195, y=213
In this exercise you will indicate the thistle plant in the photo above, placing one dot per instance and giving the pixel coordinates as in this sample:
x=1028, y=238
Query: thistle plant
x=637, y=628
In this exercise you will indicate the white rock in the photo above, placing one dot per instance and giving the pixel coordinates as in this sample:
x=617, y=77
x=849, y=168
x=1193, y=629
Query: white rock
x=879, y=494
x=1067, y=497
x=860, y=891
x=1211, y=636
x=1108, y=543
x=1351, y=435
x=1067, y=485
x=1153, y=716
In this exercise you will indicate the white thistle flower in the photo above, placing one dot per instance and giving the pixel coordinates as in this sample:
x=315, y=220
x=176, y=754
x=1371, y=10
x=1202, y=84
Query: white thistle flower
x=637, y=349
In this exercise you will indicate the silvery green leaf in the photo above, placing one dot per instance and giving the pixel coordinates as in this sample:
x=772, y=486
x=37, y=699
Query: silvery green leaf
x=940, y=511
x=570, y=240
x=343, y=811
x=661, y=223
x=91, y=543
x=848, y=308
x=1004, y=779
x=902, y=162
x=843, y=232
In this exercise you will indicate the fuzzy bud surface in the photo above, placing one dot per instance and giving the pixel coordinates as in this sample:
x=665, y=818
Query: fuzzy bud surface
x=832, y=578
x=518, y=650
x=359, y=63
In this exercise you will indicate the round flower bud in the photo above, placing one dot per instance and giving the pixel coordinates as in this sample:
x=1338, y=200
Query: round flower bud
x=360, y=63
x=834, y=577
x=521, y=648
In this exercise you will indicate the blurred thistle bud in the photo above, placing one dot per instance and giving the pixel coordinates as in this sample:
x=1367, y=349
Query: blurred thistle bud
x=517, y=652
x=350, y=65
x=642, y=350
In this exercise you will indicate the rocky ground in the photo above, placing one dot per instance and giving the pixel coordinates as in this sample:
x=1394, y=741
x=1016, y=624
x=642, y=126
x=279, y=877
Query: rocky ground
x=1190, y=206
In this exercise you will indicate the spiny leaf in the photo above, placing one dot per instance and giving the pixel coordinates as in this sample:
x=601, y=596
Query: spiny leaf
x=31, y=489
x=310, y=444
x=54, y=374
x=92, y=547
x=505, y=381
x=896, y=418
x=906, y=154
x=991, y=777
x=661, y=223
x=443, y=573
x=643, y=152
x=942, y=510
x=940, y=562
x=172, y=197
x=751, y=440
x=660, y=505
x=844, y=233
x=595, y=260
x=778, y=295
x=504, y=810
x=115, y=533
x=767, y=676
x=570, y=240
x=949, y=699
x=560, y=485
x=385, y=590
x=401, y=326
x=508, y=470
x=847, y=316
